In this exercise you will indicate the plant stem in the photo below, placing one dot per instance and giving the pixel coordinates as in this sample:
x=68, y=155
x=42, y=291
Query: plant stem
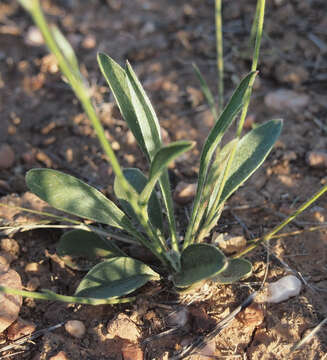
x=254, y=26
x=258, y=26
x=279, y=227
x=42, y=213
x=259, y=18
x=49, y=295
x=82, y=91
x=220, y=55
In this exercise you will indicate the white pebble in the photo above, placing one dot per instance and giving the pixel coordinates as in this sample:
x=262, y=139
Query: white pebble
x=283, y=289
x=75, y=328
x=34, y=37
x=283, y=99
x=178, y=318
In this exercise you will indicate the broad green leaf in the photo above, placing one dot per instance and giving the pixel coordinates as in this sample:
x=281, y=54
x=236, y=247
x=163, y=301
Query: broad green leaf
x=81, y=249
x=138, y=180
x=115, y=277
x=67, y=193
x=236, y=270
x=199, y=262
x=251, y=152
x=206, y=92
x=160, y=161
x=116, y=78
x=145, y=113
x=66, y=49
x=214, y=138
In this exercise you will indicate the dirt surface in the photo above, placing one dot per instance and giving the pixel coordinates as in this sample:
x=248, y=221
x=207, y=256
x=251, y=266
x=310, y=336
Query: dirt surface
x=44, y=126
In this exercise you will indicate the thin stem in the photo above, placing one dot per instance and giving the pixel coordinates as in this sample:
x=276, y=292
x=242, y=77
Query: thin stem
x=81, y=226
x=254, y=27
x=220, y=58
x=259, y=19
x=49, y=295
x=82, y=92
x=279, y=227
x=258, y=26
x=42, y=213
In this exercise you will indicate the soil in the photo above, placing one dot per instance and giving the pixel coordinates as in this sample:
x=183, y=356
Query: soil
x=45, y=127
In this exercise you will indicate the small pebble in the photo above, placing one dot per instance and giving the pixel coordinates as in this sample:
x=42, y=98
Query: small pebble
x=34, y=37
x=32, y=267
x=75, y=328
x=281, y=290
x=5, y=260
x=130, y=138
x=283, y=99
x=7, y=157
x=20, y=328
x=89, y=42
x=184, y=193
x=10, y=304
x=251, y=315
x=33, y=284
x=124, y=328
x=317, y=159
x=229, y=244
x=10, y=245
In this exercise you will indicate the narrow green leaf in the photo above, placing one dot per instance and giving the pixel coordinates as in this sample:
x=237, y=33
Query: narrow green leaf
x=81, y=249
x=29, y=5
x=150, y=129
x=214, y=138
x=66, y=49
x=145, y=113
x=210, y=191
x=250, y=153
x=115, y=277
x=214, y=177
x=199, y=262
x=236, y=270
x=116, y=78
x=206, y=91
x=67, y=193
x=52, y=296
x=138, y=180
x=160, y=161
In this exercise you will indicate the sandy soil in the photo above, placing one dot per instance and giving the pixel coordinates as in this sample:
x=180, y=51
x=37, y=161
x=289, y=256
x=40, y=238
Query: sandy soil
x=45, y=127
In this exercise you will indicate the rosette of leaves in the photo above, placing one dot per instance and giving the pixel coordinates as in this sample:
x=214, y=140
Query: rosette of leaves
x=142, y=216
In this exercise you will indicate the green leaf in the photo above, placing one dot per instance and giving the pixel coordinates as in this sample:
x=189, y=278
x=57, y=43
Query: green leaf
x=81, y=249
x=115, y=277
x=66, y=49
x=199, y=262
x=67, y=193
x=214, y=138
x=206, y=92
x=214, y=177
x=116, y=78
x=145, y=113
x=251, y=152
x=236, y=270
x=160, y=161
x=138, y=180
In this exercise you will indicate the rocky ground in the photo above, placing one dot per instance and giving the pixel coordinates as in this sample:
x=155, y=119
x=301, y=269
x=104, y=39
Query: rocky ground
x=42, y=125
